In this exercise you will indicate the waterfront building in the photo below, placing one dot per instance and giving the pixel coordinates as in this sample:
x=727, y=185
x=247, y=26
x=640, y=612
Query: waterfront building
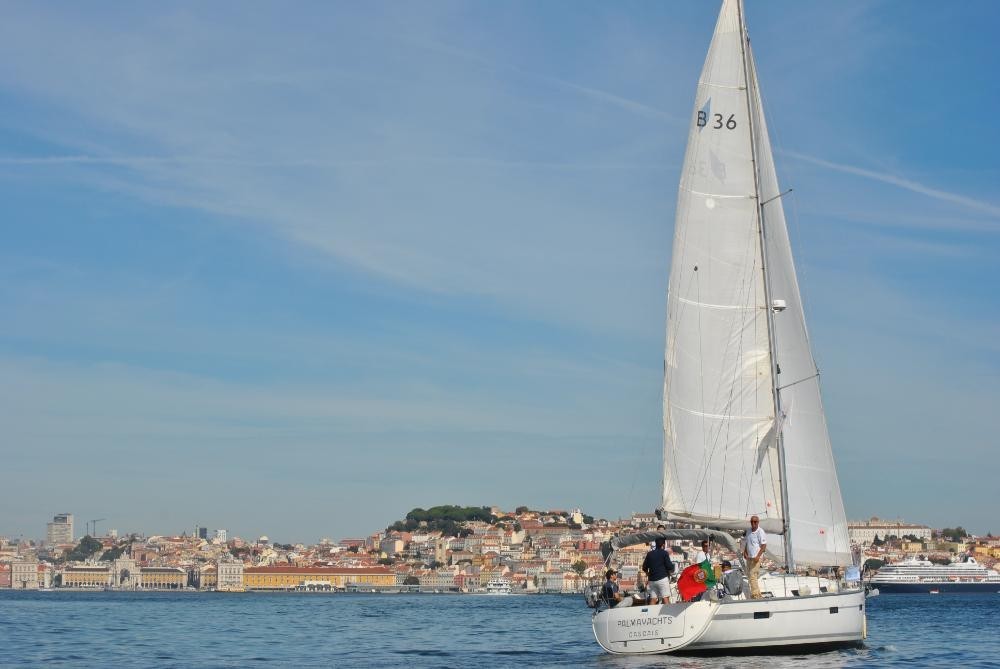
x=87, y=576
x=126, y=574
x=204, y=577
x=290, y=577
x=24, y=574
x=864, y=532
x=230, y=576
x=60, y=530
x=163, y=578
x=123, y=574
x=442, y=579
x=552, y=581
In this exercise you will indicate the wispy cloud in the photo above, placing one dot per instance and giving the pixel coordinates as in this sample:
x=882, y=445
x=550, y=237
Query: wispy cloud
x=414, y=161
x=599, y=95
x=902, y=182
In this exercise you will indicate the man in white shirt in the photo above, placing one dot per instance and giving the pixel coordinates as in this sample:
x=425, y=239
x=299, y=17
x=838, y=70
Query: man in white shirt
x=704, y=553
x=754, y=543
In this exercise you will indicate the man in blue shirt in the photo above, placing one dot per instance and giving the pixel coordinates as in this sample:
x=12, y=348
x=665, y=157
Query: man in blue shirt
x=658, y=567
x=609, y=591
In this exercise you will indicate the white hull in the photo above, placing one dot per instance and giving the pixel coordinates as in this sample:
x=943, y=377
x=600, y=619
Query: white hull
x=763, y=624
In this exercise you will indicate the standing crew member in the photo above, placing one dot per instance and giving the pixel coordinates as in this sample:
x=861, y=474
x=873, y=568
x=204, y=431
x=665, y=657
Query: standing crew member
x=754, y=543
x=704, y=553
x=658, y=567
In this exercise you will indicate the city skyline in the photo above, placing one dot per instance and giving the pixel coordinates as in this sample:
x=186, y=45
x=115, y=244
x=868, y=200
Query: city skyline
x=309, y=271
x=276, y=535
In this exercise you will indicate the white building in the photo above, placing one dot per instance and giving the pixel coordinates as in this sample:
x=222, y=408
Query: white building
x=551, y=581
x=391, y=545
x=24, y=575
x=864, y=532
x=230, y=575
x=221, y=536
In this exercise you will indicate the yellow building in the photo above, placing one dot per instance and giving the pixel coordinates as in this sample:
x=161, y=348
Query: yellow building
x=86, y=576
x=206, y=577
x=984, y=552
x=163, y=578
x=290, y=577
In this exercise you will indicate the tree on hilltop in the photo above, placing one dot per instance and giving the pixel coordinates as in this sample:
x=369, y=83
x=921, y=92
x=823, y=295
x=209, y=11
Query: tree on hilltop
x=447, y=519
x=113, y=553
x=873, y=564
x=954, y=533
x=85, y=549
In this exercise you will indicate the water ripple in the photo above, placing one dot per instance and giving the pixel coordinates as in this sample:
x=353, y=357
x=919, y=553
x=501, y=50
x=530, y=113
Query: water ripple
x=356, y=630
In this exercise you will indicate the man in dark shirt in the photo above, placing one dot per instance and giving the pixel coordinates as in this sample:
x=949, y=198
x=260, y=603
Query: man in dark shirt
x=658, y=567
x=609, y=591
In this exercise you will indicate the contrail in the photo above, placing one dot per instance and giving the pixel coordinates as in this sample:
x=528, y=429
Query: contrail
x=900, y=182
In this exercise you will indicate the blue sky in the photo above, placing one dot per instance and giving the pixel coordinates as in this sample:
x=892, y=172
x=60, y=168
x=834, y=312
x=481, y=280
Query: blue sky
x=297, y=273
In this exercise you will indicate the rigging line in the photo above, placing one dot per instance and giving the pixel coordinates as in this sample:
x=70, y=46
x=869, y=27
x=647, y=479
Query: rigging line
x=801, y=281
x=795, y=383
x=678, y=313
x=701, y=362
x=779, y=195
x=753, y=107
x=748, y=289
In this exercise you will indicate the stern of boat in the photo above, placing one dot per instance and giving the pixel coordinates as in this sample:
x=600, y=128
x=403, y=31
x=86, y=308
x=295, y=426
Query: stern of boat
x=652, y=629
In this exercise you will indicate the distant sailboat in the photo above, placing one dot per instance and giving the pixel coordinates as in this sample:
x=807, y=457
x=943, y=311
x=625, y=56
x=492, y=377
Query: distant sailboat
x=744, y=428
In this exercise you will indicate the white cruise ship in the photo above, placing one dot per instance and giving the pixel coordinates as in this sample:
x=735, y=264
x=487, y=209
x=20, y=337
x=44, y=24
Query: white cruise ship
x=915, y=575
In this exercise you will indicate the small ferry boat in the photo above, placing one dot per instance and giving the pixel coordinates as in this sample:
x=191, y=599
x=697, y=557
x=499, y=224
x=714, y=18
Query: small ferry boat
x=916, y=575
x=498, y=586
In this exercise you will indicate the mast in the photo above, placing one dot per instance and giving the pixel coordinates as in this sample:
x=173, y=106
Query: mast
x=769, y=306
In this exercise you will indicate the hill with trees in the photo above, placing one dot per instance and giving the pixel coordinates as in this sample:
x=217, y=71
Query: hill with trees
x=447, y=519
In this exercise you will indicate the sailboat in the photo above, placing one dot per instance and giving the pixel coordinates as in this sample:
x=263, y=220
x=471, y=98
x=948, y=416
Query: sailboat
x=743, y=422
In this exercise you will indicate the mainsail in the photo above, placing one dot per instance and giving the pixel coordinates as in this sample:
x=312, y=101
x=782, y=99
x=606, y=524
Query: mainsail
x=721, y=425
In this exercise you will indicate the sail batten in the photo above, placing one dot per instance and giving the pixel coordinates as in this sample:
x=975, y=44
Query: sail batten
x=709, y=305
x=725, y=347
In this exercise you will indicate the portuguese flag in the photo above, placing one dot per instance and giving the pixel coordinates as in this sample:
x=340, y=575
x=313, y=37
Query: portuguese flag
x=695, y=580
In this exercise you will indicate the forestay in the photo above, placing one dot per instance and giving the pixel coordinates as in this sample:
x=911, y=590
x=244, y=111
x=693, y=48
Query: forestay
x=816, y=508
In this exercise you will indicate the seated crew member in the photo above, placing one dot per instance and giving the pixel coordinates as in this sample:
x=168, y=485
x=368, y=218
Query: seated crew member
x=609, y=591
x=732, y=580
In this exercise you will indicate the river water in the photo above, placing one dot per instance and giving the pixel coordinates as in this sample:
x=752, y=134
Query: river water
x=83, y=629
